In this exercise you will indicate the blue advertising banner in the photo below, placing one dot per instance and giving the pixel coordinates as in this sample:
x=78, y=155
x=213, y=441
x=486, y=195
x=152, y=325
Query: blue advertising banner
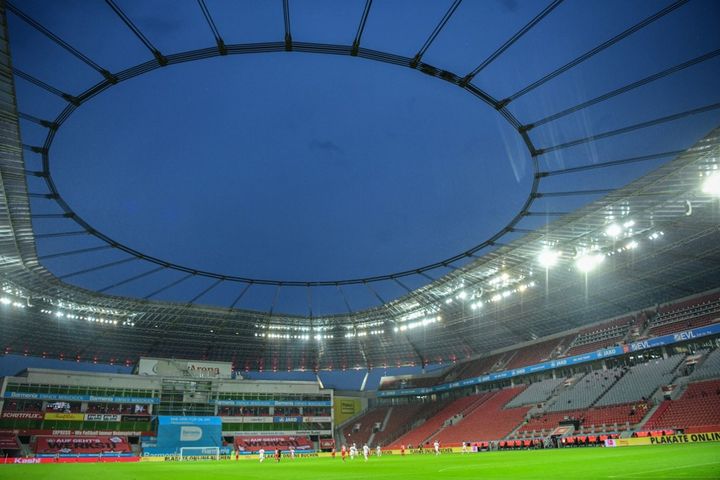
x=287, y=419
x=272, y=403
x=80, y=398
x=655, y=342
x=175, y=433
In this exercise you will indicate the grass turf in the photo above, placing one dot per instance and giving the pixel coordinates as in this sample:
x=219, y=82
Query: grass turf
x=697, y=461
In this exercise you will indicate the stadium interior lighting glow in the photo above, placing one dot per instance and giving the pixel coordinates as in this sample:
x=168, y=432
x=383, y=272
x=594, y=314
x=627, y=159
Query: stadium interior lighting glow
x=613, y=230
x=548, y=258
x=588, y=262
x=711, y=185
x=5, y=301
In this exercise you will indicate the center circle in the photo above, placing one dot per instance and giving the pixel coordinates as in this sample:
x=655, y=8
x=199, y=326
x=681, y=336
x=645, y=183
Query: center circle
x=291, y=166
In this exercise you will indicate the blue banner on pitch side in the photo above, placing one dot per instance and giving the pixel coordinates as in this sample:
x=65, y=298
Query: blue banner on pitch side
x=655, y=342
x=175, y=433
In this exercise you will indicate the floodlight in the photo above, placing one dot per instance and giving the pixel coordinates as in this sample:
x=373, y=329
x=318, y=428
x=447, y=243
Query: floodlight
x=588, y=262
x=711, y=185
x=547, y=258
x=613, y=230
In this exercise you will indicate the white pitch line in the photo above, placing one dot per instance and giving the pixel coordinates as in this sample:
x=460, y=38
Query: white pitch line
x=635, y=474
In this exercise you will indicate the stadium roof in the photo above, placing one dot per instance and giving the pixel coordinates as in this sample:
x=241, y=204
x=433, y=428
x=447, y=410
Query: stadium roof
x=650, y=241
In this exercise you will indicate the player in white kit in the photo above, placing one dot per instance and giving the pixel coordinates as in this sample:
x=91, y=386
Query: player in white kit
x=261, y=455
x=436, y=445
x=292, y=453
x=366, y=452
x=378, y=450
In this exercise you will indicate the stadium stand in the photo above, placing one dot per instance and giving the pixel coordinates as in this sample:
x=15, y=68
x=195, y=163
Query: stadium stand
x=640, y=381
x=453, y=411
x=253, y=444
x=361, y=429
x=605, y=419
x=489, y=421
x=691, y=313
x=84, y=445
x=536, y=393
x=600, y=336
x=586, y=390
x=697, y=410
x=9, y=442
x=535, y=353
x=404, y=417
x=709, y=368
x=481, y=366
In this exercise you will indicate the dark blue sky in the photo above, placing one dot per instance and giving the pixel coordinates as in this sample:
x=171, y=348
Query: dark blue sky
x=305, y=167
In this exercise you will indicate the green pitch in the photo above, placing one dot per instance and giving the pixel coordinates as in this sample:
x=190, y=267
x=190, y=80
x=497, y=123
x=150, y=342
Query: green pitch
x=698, y=461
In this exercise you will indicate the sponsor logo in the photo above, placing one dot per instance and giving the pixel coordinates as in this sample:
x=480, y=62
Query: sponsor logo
x=78, y=417
x=205, y=371
x=27, y=460
x=101, y=417
x=190, y=434
x=23, y=415
x=679, y=337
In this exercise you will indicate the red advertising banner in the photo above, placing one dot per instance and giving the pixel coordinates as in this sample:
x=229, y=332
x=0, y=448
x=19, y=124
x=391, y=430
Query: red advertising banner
x=77, y=445
x=36, y=460
x=253, y=444
x=23, y=415
x=326, y=443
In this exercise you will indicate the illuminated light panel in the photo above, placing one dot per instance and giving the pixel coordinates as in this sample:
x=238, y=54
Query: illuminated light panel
x=589, y=262
x=613, y=230
x=711, y=185
x=548, y=258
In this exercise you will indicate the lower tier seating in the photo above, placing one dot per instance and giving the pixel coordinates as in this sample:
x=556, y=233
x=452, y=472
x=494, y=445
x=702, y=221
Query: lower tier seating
x=490, y=421
x=359, y=430
x=458, y=406
x=269, y=443
x=607, y=419
x=698, y=407
x=59, y=445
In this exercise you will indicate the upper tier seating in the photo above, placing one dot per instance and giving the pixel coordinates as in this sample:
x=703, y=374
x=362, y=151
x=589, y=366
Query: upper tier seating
x=533, y=354
x=640, y=381
x=591, y=347
x=458, y=406
x=710, y=367
x=489, y=421
x=612, y=329
x=585, y=391
x=536, y=393
x=691, y=313
x=600, y=336
x=698, y=407
x=481, y=366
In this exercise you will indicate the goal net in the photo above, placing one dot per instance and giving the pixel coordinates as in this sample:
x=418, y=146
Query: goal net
x=200, y=453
